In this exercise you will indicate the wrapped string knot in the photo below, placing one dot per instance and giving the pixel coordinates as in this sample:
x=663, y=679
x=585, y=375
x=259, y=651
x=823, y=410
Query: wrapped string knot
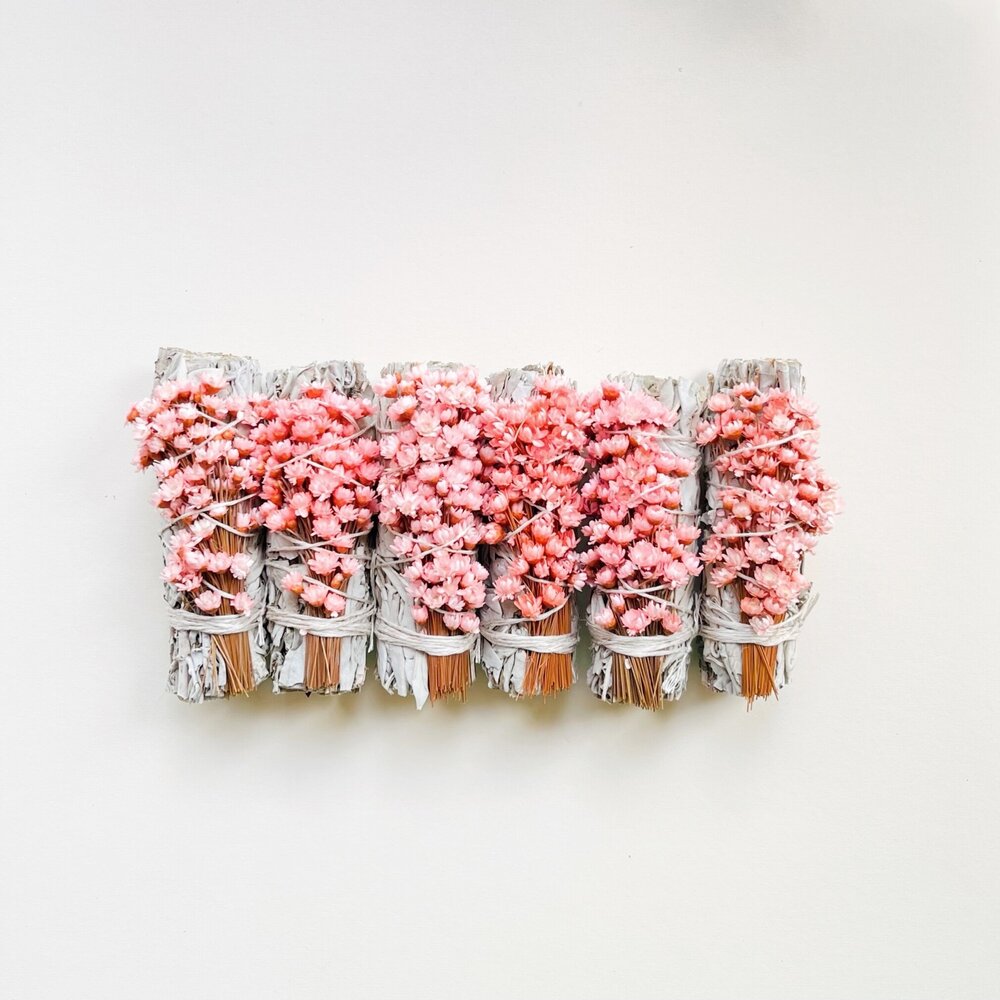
x=640, y=646
x=350, y=623
x=720, y=624
x=425, y=642
x=502, y=633
x=182, y=620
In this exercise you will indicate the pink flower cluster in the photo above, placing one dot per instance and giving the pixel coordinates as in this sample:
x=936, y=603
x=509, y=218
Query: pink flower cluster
x=319, y=486
x=636, y=541
x=193, y=566
x=432, y=491
x=202, y=446
x=777, y=501
x=534, y=455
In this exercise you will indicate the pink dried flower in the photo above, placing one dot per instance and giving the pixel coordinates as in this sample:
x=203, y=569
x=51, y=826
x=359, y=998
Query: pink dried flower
x=334, y=604
x=507, y=587
x=605, y=617
x=241, y=602
x=240, y=565
x=208, y=601
x=635, y=621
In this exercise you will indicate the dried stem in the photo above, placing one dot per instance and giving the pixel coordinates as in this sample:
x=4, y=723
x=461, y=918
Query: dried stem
x=322, y=670
x=447, y=676
x=638, y=682
x=234, y=649
x=549, y=673
x=759, y=662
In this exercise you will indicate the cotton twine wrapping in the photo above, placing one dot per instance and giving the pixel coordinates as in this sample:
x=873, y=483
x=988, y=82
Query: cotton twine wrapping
x=402, y=646
x=190, y=676
x=685, y=399
x=506, y=636
x=287, y=624
x=722, y=631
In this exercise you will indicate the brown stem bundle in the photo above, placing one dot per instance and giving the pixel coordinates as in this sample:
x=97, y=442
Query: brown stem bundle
x=757, y=680
x=447, y=676
x=549, y=673
x=759, y=662
x=322, y=655
x=640, y=681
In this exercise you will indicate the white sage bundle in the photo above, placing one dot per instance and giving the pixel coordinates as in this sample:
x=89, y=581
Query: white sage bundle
x=319, y=494
x=197, y=439
x=767, y=502
x=645, y=496
x=427, y=577
x=535, y=463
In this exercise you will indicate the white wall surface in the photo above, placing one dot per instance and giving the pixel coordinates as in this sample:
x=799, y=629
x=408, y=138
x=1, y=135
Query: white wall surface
x=630, y=184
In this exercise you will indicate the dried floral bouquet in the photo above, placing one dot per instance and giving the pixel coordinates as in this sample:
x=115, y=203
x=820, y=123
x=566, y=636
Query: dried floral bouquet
x=641, y=559
x=429, y=582
x=198, y=433
x=768, y=502
x=534, y=456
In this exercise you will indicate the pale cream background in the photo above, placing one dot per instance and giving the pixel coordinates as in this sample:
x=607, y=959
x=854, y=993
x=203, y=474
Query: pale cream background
x=638, y=184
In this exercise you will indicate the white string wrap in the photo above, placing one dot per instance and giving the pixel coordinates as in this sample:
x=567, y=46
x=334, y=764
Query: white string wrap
x=190, y=621
x=351, y=623
x=424, y=642
x=500, y=635
x=641, y=646
x=722, y=625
